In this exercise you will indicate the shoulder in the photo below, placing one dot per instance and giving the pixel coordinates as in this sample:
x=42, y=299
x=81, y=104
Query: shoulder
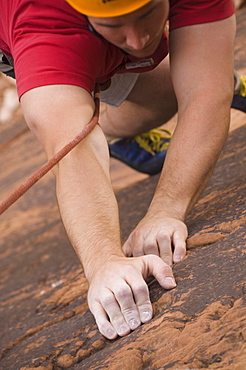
x=189, y=12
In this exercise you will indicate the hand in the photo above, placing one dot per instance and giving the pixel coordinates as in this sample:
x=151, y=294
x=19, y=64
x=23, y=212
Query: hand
x=118, y=295
x=158, y=235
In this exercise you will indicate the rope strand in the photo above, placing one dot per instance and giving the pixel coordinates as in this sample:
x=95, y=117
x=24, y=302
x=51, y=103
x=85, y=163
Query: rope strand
x=22, y=189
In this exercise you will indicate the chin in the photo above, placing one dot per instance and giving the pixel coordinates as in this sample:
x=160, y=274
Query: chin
x=145, y=53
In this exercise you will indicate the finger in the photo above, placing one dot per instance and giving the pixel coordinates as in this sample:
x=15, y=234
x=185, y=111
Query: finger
x=113, y=310
x=103, y=324
x=141, y=295
x=127, y=250
x=160, y=270
x=128, y=306
x=165, y=247
x=150, y=245
x=134, y=244
x=179, y=242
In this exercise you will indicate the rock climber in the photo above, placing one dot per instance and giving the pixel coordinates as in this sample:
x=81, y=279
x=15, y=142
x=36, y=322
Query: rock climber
x=153, y=59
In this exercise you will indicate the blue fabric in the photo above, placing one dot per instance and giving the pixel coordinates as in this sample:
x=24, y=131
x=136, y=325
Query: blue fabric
x=130, y=153
x=239, y=102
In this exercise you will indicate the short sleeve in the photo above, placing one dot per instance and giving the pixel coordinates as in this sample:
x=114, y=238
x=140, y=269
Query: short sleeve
x=190, y=12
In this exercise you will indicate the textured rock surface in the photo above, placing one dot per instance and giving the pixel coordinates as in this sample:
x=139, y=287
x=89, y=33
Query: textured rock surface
x=44, y=317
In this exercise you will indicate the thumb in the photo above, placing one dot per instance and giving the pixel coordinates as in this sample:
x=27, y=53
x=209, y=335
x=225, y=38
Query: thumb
x=160, y=270
x=127, y=248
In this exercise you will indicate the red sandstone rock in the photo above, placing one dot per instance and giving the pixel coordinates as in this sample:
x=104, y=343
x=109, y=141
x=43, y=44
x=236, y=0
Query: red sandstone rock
x=45, y=321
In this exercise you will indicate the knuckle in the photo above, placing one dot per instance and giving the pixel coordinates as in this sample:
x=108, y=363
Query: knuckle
x=128, y=312
x=141, y=290
x=181, y=247
x=123, y=293
x=147, y=307
x=117, y=319
x=163, y=236
x=152, y=258
x=167, y=271
x=137, y=250
x=179, y=240
x=107, y=300
x=137, y=233
x=129, y=269
x=103, y=326
x=136, y=236
x=151, y=248
x=138, y=253
x=179, y=235
x=166, y=253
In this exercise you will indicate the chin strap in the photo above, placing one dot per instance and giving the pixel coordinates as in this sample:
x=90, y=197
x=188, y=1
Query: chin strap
x=22, y=189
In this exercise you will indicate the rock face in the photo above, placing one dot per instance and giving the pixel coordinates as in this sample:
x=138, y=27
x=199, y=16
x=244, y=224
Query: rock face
x=44, y=317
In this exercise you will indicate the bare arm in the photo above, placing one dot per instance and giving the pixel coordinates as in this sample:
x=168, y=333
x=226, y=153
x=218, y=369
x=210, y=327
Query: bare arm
x=118, y=295
x=202, y=73
x=202, y=60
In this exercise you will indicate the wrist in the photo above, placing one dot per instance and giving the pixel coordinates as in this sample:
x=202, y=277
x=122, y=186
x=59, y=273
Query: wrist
x=95, y=265
x=168, y=208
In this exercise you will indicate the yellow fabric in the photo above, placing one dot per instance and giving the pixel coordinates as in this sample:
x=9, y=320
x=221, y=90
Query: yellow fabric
x=152, y=141
x=106, y=8
x=242, y=90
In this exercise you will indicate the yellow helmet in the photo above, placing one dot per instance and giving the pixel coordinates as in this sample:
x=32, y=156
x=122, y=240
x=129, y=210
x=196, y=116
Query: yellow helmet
x=106, y=8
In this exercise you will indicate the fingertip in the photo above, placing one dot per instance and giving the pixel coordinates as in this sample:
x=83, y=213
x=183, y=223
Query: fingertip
x=169, y=263
x=177, y=258
x=134, y=324
x=169, y=283
x=126, y=250
x=146, y=316
x=168, y=259
x=110, y=334
x=123, y=330
x=163, y=273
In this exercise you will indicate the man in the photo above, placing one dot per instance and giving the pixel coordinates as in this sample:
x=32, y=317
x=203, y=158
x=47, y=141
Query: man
x=60, y=50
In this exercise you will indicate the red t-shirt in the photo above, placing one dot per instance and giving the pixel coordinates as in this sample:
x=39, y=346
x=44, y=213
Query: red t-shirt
x=52, y=44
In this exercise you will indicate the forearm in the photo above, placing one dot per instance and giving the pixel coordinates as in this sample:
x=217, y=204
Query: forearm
x=87, y=203
x=202, y=75
x=196, y=145
x=56, y=114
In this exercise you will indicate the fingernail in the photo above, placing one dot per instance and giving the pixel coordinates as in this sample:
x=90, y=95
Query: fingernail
x=111, y=333
x=122, y=330
x=134, y=323
x=170, y=282
x=178, y=258
x=146, y=315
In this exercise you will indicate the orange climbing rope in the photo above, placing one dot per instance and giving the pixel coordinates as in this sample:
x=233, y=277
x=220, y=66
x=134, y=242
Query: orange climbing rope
x=22, y=189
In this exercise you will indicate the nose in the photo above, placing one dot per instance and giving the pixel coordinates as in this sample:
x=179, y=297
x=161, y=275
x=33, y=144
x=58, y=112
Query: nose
x=136, y=39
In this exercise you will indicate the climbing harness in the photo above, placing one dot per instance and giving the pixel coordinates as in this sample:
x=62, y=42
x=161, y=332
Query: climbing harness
x=22, y=189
